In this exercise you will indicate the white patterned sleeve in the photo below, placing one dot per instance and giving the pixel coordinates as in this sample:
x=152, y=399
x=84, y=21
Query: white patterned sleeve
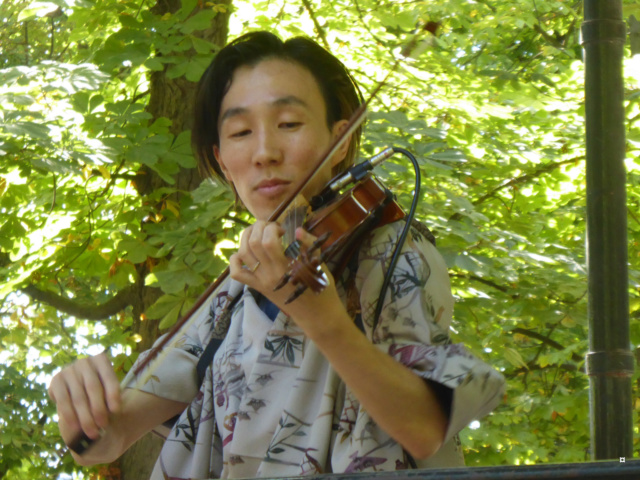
x=173, y=375
x=414, y=322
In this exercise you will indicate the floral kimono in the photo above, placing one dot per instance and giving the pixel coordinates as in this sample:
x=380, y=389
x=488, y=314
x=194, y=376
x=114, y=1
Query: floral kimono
x=271, y=405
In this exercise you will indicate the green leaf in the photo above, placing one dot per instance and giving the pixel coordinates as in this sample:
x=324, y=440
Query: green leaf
x=201, y=46
x=178, y=70
x=449, y=156
x=136, y=251
x=176, y=277
x=23, y=100
x=170, y=318
x=37, y=9
x=543, y=78
x=187, y=8
x=514, y=358
x=199, y=21
x=154, y=64
x=128, y=21
x=164, y=305
x=30, y=129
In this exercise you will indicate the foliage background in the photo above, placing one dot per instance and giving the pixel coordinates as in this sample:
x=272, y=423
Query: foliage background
x=106, y=230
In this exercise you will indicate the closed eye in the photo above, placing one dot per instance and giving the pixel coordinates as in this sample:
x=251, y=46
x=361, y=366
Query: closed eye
x=288, y=125
x=240, y=133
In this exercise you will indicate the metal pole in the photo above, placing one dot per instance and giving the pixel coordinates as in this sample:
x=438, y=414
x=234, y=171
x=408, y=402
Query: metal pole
x=609, y=362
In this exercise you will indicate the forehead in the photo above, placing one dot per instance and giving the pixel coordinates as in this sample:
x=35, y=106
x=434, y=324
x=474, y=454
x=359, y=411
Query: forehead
x=272, y=83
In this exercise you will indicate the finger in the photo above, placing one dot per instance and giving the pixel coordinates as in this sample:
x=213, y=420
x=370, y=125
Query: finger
x=308, y=241
x=109, y=381
x=272, y=242
x=80, y=402
x=304, y=237
x=245, y=252
x=59, y=393
x=96, y=397
x=254, y=242
x=238, y=270
x=54, y=386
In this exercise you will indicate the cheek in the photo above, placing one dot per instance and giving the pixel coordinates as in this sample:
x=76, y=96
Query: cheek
x=234, y=174
x=310, y=150
x=230, y=158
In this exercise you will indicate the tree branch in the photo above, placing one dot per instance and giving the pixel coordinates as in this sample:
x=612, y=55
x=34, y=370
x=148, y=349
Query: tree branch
x=569, y=367
x=546, y=340
x=316, y=24
x=486, y=282
x=244, y=223
x=98, y=173
x=119, y=302
x=527, y=177
x=140, y=95
x=521, y=179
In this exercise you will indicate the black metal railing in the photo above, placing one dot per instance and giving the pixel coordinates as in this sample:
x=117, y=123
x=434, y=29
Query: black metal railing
x=609, y=470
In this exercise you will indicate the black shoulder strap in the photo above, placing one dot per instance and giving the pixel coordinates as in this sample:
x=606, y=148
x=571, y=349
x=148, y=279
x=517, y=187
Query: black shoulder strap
x=207, y=357
x=212, y=347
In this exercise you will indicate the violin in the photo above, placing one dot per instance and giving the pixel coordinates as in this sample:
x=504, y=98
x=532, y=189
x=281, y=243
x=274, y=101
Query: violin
x=338, y=227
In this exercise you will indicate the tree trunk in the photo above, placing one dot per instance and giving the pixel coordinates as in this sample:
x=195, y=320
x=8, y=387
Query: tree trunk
x=173, y=99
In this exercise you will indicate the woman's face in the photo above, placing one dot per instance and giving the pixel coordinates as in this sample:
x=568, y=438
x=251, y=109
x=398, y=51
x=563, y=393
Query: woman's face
x=273, y=131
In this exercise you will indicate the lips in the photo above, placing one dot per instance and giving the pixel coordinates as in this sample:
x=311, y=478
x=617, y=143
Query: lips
x=272, y=187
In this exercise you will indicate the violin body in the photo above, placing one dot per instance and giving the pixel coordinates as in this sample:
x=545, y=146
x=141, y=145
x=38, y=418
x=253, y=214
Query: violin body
x=367, y=201
x=338, y=226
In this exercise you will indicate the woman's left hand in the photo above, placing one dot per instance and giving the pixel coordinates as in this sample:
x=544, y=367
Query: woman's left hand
x=260, y=263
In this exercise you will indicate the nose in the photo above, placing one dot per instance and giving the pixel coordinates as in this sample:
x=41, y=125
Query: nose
x=268, y=150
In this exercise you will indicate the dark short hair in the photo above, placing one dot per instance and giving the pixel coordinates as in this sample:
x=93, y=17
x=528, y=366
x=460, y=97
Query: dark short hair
x=339, y=90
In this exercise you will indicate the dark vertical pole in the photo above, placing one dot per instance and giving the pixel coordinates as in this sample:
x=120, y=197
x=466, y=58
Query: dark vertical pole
x=609, y=362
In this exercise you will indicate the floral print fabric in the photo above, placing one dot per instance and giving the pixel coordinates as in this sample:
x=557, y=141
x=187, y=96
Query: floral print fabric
x=272, y=406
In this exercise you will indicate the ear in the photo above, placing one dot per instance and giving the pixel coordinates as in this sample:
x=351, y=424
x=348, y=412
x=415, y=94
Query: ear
x=216, y=154
x=336, y=131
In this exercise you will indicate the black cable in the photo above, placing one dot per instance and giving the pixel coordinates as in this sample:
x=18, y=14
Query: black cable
x=403, y=236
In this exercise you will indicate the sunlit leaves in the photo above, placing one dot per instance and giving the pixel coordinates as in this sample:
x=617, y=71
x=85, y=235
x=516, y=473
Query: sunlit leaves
x=72, y=139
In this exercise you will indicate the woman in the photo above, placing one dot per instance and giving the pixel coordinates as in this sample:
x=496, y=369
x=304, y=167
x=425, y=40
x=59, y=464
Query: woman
x=298, y=388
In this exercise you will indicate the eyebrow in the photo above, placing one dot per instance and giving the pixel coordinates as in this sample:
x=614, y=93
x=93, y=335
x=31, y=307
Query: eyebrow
x=278, y=102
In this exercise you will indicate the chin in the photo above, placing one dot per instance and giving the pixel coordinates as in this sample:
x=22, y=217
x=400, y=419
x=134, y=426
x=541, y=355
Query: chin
x=263, y=215
x=265, y=209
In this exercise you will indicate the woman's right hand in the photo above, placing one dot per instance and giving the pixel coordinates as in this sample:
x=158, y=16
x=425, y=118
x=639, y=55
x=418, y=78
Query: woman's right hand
x=86, y=393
